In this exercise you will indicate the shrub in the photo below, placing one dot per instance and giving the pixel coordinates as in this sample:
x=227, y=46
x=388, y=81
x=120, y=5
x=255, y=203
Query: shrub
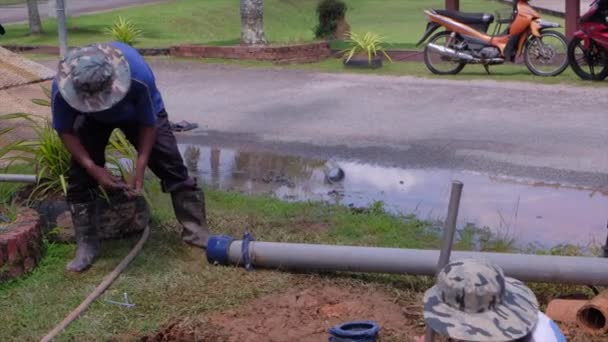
x=369, y=44
x=124, y=31
x=330, y=12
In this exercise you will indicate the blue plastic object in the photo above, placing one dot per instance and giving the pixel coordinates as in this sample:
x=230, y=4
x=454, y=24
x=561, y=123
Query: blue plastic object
x=360, y=331
x=247, y=238
x=217, y=249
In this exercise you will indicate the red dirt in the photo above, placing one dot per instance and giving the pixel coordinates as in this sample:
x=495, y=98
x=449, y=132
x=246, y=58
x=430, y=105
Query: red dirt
x=303, y=315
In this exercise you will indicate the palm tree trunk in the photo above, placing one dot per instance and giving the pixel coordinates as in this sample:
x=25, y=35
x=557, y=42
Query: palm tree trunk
x=252, y=22
x=34, y=17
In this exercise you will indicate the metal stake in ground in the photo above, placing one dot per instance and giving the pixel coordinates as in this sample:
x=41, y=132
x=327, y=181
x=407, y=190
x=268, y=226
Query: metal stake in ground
x=449, y=230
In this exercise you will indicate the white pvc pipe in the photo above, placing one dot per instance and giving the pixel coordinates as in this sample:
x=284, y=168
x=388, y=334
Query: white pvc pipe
x=525, y=267
x=9, y=178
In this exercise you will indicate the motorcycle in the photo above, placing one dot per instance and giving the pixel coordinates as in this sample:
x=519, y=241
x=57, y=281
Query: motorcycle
x=588, y=49
x=2, y=30
x=465, y=40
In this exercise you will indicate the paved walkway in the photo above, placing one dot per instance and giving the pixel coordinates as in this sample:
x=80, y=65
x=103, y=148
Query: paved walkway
x=18, y=13
x=16, y=70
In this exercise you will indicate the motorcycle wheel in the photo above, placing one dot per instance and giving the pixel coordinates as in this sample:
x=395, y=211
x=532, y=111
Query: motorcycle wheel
x=438, y=64
x=547, y=55
x=589, y=64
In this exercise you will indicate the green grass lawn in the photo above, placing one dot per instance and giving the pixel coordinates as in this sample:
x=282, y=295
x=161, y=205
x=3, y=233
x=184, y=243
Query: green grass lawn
x=217, y=22
x=13, y=2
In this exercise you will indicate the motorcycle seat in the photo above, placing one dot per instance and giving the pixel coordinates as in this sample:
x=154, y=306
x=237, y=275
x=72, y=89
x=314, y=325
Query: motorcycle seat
x=467, y=18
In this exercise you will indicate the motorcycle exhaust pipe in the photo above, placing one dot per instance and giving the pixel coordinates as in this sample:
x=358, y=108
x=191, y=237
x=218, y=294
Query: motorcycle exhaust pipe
x=465, y=57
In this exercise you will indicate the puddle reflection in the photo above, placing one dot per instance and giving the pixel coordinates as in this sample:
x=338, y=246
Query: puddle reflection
x=529, y=212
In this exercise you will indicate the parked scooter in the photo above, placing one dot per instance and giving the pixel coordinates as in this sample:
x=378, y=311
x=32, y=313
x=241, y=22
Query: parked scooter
x=466, y=41
x=588, y=49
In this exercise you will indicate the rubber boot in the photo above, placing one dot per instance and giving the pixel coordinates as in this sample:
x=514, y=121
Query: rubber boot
x=85, y=229
x=189, y=209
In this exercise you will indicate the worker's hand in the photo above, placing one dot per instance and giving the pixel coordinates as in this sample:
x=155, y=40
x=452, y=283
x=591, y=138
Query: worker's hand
x=136, y=184
x=106, y=179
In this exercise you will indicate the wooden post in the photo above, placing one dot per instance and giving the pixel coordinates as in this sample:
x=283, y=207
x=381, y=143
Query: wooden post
x=453, y=5
x=573, y=12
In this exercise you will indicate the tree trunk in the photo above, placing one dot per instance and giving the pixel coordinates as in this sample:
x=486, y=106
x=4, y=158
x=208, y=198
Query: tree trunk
x=34, y=17
x=252, y=22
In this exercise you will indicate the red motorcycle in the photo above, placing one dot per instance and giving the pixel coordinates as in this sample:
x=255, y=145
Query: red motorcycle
x=588, y=49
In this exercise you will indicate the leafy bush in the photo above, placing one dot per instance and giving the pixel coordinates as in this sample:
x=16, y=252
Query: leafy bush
x=330, y=12
x=124, y=31
x=369, y=44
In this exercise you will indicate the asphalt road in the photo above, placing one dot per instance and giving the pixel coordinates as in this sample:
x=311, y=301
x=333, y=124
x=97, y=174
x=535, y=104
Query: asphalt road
x=555, y=133
x=18, y=13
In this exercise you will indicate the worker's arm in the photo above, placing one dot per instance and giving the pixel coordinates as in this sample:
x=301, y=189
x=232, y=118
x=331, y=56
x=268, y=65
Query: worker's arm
x=147, y=137
x=82, y=157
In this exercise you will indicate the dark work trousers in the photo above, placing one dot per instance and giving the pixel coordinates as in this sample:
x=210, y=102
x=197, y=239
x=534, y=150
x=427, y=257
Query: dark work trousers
x=165, y=160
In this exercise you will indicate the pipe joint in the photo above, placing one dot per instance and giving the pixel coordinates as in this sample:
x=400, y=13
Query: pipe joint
x=217, y=249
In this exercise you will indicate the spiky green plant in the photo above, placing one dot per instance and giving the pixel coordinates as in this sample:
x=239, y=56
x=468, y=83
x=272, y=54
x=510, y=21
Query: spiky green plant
x=124, y=31
x=122, y=156
x=369, y=44
x=46, y=153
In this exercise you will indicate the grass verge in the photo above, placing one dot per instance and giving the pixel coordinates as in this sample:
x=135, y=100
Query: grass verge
x=217, y=22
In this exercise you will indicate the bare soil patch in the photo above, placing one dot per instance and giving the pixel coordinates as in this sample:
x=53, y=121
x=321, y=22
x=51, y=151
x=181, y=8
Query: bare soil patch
x=301, y=314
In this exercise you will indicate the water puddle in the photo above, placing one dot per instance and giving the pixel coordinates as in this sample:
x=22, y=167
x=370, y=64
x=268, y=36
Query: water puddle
x=530, y=212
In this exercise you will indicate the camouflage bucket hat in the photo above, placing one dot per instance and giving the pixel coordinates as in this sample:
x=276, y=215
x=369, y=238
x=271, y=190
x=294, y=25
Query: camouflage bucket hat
x=94, y=78
x=474, y=301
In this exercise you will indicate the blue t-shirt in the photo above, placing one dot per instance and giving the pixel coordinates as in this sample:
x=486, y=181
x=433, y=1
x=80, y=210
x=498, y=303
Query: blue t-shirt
x=142, y=103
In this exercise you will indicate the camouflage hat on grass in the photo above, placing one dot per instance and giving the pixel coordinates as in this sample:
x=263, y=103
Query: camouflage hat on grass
x=474, y=301
x=94, y=78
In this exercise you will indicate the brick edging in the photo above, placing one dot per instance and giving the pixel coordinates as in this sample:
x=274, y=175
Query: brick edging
x=22, y=246
x=289, y=53
x=217, y=51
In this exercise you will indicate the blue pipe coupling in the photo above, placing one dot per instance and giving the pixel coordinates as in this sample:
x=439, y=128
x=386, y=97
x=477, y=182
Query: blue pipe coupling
x=360, y=331
x=217, y=249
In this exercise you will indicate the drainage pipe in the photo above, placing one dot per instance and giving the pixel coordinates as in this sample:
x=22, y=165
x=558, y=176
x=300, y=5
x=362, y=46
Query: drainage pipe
x=564, y=310
x=9, y=178
x=291, y=256
x=594, y=314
